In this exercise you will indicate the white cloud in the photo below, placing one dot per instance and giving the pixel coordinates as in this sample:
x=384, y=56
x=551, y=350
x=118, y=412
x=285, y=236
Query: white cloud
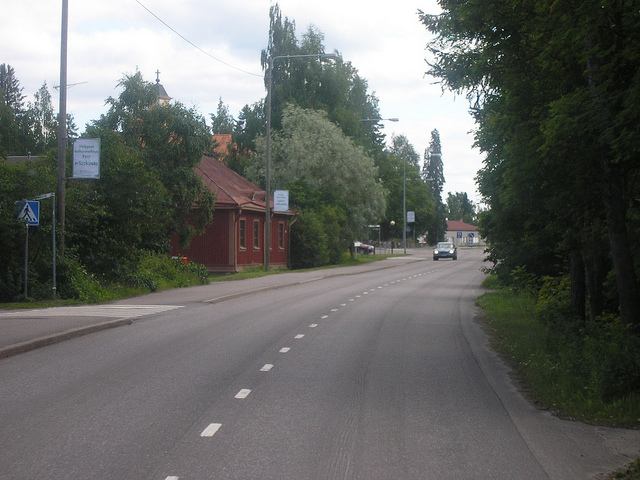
x=386, y=43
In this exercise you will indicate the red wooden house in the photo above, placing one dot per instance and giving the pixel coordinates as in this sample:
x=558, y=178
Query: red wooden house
x=235, y=239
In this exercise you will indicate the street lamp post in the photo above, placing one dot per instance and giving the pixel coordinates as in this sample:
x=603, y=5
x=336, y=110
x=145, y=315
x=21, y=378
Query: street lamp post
x=267, y=221
x=404, y=205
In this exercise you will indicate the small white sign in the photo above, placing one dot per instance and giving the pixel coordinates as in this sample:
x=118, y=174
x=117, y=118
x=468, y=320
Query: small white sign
x=281, y=200
x=411, y=217
x=86, y=158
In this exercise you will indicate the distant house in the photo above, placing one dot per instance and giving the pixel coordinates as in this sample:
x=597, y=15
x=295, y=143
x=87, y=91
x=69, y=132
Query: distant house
x=235, y=239
x=460, y=233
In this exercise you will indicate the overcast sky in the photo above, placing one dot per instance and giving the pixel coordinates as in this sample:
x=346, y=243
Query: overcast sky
x=384, y=41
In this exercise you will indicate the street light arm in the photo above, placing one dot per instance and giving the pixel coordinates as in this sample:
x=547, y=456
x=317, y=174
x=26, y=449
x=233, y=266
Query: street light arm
x=317, y=55
x=394, y=119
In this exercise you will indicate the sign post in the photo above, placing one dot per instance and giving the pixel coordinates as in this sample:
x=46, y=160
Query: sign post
x=29, y=213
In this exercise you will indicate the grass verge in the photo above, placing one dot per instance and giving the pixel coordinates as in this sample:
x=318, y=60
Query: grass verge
x=555, y=378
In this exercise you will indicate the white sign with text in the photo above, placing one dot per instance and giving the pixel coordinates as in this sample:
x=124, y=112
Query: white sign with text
x=86, y=158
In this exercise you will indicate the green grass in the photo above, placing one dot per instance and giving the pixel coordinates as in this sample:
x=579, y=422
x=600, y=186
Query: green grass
x=631, y=472
x=549, y=378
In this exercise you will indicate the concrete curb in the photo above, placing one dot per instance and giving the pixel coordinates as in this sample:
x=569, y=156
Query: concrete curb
x=40, y=342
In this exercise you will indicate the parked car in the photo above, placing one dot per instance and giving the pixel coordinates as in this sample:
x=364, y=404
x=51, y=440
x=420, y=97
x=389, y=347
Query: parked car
x=445, y=250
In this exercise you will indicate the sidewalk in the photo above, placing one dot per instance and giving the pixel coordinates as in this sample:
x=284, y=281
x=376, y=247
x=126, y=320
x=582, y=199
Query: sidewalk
x=25, y=330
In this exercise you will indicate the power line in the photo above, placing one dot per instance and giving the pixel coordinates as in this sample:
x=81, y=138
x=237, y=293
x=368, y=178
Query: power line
x=194, y=45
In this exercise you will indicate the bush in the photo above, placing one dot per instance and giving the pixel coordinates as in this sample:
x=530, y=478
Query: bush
x=74, y=282
x=605, y=358
x=309, y=242
x=586, y=372
x=157, y=271
x=612, y=355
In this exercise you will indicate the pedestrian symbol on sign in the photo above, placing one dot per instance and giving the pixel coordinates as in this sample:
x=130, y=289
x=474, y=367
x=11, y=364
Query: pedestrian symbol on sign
x=29, y=212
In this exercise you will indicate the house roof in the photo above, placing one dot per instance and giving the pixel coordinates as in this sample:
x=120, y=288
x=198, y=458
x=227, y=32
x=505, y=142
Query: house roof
x=223, y=142
x=459, y=225
x=232, y=190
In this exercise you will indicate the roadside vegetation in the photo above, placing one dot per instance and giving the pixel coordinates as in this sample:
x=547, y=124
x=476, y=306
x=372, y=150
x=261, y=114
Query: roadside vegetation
x=151, y=273
x=631, y=472
x=589, y=373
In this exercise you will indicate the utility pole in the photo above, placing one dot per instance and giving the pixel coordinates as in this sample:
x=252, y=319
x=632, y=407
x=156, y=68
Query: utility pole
x=62, y=122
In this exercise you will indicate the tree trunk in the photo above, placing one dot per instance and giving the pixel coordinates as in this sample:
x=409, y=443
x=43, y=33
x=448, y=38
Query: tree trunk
x=615, y=203
x=578, y=293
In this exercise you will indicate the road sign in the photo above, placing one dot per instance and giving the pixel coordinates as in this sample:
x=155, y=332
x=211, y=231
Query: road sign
x=29, y=212
x=281, y=200
x=459, y=235
x=471, y=235
x=411, y=217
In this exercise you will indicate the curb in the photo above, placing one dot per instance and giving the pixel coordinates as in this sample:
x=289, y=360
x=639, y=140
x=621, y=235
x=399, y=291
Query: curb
x=40, y=342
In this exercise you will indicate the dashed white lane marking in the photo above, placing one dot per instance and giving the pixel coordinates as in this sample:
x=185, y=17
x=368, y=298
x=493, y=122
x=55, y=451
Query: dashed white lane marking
x=313, y=325
x=343, y=304
x=211, y=430
x=324, y=316
x=284, y=350
x=172, y=478
x=244, y=393
x=266, y=367
x=334, y=309
x=299, y=336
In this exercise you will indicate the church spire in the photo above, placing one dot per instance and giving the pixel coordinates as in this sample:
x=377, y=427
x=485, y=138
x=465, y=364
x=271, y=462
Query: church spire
x=163, y=96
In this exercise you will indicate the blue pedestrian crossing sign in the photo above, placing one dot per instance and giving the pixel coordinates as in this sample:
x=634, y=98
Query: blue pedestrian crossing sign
x=29, y=212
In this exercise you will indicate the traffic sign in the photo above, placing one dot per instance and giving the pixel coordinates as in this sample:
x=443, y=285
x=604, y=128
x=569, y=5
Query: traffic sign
x=471, y=235
x=29, y=212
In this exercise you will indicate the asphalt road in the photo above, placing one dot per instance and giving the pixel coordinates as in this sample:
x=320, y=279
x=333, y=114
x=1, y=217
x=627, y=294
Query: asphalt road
x=379, y=375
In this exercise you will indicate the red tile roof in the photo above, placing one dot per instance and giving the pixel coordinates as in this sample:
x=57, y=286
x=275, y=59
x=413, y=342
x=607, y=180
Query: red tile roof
x=459, y=225
x=231, y=190
x=223, y=141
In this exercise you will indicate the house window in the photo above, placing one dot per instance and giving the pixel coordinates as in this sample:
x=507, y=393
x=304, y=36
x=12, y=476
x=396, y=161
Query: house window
x=256, y=234
x=243, y=233
x=281, y=236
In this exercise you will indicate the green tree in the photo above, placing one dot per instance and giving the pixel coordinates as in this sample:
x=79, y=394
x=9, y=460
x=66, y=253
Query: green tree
x=43, y=122
x=531, y=72
x=171, y=140
x=433, y=173
x=402, y=179
x=13, y=132
x=334, y=87
x=114, y=220
x=21, y=182
x=313, y=153
x=10, y=89
x=459, y=207
x=222, y=121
